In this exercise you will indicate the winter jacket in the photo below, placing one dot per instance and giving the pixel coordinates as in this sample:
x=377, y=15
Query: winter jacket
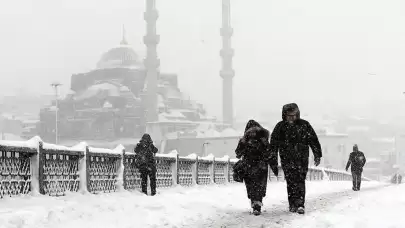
x=357, y=160
x=292, y=141
x=253, y=148
x=145, y=152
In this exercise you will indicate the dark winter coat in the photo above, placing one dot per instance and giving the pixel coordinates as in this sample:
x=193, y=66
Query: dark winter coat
x=253, y=150
x=357, y=160
x=145, y=152
x=293, y=141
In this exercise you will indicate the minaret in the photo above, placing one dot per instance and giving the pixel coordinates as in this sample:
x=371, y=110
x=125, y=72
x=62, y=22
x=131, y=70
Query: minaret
x=124, y=36
x=152, y=63
x=227, y=73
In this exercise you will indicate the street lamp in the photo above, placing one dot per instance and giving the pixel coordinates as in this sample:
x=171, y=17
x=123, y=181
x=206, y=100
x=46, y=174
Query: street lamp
x=55, y=85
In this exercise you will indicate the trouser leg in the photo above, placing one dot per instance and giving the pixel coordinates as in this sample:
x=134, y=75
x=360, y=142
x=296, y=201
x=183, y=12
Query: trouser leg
x=152, y=178
x=291, y=187
x=358, y=181
x=354, y=180
x=144, y=180
x=301, y=188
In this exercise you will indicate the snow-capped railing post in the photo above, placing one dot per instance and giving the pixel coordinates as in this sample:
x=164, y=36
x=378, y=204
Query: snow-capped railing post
x=212, y=168
x=82, y=167
x=195, y=170
x=212, y=171
x=175, y=168
x=35, y=175
x=120, y=172
x=227, y=170
x=41, y=168
x=87, y=169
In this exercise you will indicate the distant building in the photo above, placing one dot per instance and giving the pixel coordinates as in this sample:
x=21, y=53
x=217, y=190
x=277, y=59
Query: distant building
x=109, y=103
x=335, y=148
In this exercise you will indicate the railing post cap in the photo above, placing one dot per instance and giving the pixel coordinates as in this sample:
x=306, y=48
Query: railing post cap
x=36, y=140
x=174, y=152
x=119, y=149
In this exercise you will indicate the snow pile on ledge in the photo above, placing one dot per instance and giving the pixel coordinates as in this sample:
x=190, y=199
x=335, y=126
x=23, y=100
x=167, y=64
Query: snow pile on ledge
x=32, y=143
x=172, y=154
x=209, y=157
x=223, y=159
x=117, y=151
x=49, y=146
x=192, y=156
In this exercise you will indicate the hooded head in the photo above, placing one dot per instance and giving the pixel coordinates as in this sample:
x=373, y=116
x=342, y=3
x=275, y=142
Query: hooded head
x=146, y=139
x=355, y=148
x=250, y=124
x=290, y=112
x=255, y=130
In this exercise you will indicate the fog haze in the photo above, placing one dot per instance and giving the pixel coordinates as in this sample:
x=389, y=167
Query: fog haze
x=327, y=56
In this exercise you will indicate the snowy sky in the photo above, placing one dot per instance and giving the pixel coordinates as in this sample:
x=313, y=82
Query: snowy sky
x=346, y=52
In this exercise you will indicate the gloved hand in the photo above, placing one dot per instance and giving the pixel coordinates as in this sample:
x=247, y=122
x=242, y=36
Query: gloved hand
x=346, y=170
x=317, y=161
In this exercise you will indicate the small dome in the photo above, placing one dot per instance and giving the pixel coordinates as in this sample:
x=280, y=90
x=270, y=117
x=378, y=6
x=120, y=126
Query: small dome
x=122, y=56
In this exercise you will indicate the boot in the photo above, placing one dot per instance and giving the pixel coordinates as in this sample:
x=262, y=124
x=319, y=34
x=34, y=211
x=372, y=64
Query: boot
x=257, y=210
x=293, y=209
x=257, y=206
x=301, y=210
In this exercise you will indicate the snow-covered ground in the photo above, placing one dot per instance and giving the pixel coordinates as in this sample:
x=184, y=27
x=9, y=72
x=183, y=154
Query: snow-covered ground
x=369, y=209
x=199, y=206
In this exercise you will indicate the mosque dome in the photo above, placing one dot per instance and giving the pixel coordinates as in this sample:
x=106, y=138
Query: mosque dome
x=123, y=56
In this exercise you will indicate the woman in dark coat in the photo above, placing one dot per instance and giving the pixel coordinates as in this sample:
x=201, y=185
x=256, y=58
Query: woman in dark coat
x=145, y=159
x=253, y=150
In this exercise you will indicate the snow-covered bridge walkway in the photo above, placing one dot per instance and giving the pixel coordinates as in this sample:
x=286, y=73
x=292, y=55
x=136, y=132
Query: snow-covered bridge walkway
x=199, y=206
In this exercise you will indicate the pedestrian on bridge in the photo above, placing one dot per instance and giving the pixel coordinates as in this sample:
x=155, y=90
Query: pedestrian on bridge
x=357, y=160
x=292, y=138
x=253, y=150
x=145, y=161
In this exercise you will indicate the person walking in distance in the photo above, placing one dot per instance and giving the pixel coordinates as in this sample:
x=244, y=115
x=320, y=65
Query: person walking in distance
x=145, y=161
x=357, y=160
x=253, y=150
x=291, y=138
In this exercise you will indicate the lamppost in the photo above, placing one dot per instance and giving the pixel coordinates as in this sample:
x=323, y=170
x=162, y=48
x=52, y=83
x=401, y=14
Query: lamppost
x=55, y=85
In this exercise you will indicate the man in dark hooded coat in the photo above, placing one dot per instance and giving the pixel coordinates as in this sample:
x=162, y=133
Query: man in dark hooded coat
x=145, y=160
x=357, y=160
x=253, y=149
x=292, y=138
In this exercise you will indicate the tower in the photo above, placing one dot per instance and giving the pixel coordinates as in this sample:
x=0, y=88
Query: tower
x=152, y=63
x=227, y=73
x=124, y=36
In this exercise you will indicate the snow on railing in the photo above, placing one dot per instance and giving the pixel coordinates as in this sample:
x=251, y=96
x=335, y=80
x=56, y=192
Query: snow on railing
x=35, y=167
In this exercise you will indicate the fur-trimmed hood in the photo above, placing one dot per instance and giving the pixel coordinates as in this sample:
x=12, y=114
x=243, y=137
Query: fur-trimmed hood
x=289, y=108
x=255, y=130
